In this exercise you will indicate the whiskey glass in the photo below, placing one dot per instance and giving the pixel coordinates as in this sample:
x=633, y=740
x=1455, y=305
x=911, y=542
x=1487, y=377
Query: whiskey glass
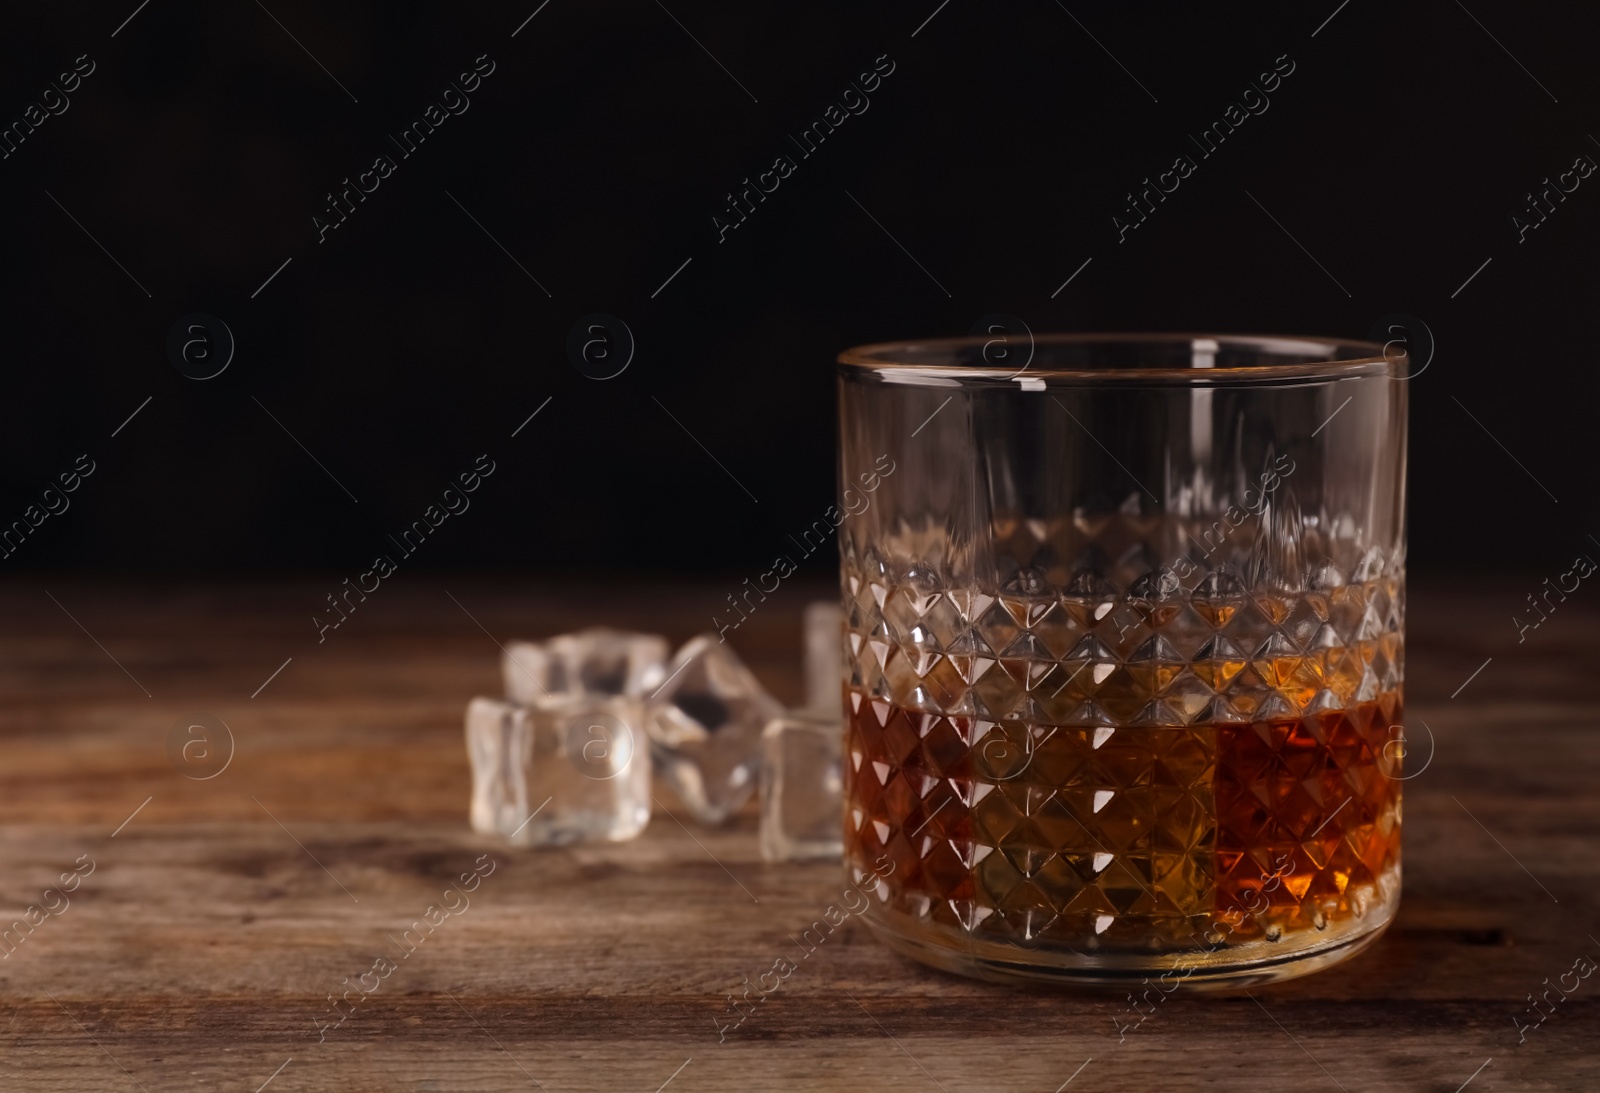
x=1123, y=652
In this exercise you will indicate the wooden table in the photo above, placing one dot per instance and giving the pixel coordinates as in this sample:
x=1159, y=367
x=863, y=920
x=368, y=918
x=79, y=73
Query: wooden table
x=201, y=950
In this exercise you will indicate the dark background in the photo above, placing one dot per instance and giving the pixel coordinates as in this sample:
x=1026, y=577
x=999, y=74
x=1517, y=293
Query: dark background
x=597, y=152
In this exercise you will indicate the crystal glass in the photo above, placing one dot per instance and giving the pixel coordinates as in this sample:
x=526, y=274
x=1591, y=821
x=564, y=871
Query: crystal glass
x=1124, y=652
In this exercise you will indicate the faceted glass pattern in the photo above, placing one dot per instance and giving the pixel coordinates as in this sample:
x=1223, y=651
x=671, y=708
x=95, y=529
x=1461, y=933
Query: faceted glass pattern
x=800, y=788
x=705, y=728
x=1314, y=801
x=1117, y=772
x=566, y=771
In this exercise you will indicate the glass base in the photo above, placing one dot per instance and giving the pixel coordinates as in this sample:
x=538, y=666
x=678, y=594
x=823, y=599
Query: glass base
x=1231, y=967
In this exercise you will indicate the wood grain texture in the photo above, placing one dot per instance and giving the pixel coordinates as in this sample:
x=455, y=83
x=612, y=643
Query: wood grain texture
x=200, y=952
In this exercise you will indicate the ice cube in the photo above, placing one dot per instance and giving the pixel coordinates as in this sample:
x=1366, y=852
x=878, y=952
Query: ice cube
x=705, y=728
x=801, y=783
x=593, y=662
x=823, y=630
x=567, y=770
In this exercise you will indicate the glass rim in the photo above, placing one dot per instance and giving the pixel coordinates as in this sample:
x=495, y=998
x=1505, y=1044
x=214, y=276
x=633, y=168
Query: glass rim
x=894, y=362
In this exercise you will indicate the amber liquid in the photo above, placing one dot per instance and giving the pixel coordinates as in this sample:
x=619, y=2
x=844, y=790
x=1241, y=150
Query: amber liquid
x=1145, y=838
